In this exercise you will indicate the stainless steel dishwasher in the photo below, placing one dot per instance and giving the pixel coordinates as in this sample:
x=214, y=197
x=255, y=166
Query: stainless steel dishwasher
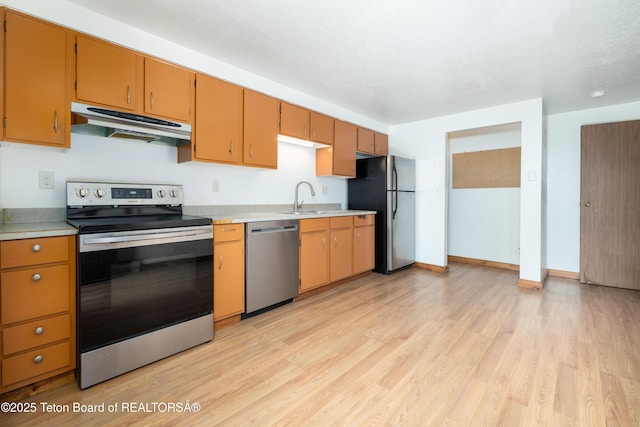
x=271, y=265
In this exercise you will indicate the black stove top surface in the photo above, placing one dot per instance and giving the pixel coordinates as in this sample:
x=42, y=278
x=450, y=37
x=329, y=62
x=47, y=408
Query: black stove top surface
x=129, y=223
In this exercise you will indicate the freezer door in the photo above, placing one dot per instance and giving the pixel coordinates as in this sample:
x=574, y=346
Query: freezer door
x=401, y=229
x=401, y=174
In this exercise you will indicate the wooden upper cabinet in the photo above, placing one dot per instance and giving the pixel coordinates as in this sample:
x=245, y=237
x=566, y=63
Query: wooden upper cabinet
x=169, y=90
x=260, y=130
x=340, y=159
x=321, y=128
x=381, y=144
x=365, y=141
x=294, y=121
x=36, y=105
x=218, y=130
x=107, y=74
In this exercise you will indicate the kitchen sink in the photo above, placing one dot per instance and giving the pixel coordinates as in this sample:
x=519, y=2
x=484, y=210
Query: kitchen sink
x=304, y=212
x=327, y=212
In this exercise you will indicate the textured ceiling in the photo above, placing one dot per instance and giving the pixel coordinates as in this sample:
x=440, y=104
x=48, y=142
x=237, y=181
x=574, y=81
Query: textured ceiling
x=404, y=60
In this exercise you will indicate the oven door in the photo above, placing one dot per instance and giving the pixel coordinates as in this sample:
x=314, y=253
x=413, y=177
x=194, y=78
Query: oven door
x=137, y=282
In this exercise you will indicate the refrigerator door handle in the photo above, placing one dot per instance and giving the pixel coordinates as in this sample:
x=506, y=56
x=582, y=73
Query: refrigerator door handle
x=394, y=179
x=395, y=204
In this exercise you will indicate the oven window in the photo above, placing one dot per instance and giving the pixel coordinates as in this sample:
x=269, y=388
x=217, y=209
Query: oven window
x=128, y=292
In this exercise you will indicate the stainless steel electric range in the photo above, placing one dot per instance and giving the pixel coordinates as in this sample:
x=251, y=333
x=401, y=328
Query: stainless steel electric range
x=145, y=276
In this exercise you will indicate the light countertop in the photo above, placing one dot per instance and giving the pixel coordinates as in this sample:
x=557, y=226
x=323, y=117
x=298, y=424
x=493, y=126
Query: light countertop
x=277, y=216
x=35, y=229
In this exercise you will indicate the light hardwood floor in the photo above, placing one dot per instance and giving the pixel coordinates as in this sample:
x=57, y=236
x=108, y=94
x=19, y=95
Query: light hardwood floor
x=416, y=348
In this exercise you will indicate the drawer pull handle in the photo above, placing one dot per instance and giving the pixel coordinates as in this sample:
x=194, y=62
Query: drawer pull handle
x=224, y=230
x=36, y=248
x=39, y=330
x=36, y=277
x=362, y=217
x=38, y=359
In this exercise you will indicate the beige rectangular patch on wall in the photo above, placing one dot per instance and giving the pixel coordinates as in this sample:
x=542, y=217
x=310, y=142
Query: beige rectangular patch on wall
x=487, y=169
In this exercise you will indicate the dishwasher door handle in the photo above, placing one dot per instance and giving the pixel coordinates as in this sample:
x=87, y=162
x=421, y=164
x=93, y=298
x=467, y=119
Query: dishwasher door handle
x=280, y=229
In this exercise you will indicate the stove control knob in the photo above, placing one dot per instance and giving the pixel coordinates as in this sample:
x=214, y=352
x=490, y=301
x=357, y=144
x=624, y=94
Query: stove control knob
x=173, y=193
x=82, y=192
x=162, y=193
x=100, y=193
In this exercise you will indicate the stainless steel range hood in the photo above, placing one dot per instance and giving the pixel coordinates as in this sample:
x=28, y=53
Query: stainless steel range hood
x=104, y=122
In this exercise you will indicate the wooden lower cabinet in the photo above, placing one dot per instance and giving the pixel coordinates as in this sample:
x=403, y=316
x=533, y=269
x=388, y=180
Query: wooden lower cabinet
x=363, y=243
x=341, y=243
x=37, y=310
x=228, y=270
x=331, y=249
x=314, y=253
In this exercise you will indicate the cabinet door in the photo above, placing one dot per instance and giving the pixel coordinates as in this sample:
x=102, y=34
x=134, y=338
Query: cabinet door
x=260, y=130
x=218, y=130
x=314, y=259
x=363, y=249
x=321, y=128
x=344, y=149
x=365, y=141
x=381, y=144
x=228, y=279
x=106, y=73
x=341, y=251
x=36, y=107
x=294, y=121
x=168, y=90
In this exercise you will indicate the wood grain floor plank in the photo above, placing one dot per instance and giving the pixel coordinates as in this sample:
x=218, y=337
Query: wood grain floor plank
x=415, y=348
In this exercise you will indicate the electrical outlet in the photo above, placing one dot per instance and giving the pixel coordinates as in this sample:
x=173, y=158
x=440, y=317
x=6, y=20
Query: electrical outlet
x=215, y=186
x=45, y=180
x=325, y=189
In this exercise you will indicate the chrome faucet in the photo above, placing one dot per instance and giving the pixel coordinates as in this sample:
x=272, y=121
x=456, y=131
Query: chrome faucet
x=296, y=205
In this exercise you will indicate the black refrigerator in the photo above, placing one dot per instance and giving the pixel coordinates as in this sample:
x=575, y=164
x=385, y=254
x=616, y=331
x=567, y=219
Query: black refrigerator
x=387, y=185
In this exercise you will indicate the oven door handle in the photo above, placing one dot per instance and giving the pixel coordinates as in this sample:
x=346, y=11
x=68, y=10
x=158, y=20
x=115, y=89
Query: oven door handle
x=91, y=243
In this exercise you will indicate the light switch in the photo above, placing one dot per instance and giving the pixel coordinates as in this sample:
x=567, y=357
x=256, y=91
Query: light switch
x=532, y=176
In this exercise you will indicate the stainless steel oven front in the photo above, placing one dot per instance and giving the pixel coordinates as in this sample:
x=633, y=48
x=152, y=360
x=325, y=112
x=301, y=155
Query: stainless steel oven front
x=139, y=287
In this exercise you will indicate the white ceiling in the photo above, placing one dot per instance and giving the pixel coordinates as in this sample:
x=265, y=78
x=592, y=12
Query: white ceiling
x=404, y=60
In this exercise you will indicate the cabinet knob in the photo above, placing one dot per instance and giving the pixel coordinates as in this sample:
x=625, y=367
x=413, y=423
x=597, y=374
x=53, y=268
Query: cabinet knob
x=39, y=330
x=36, y=277
x=588, y=204
x=36, y=248
x=38, y=359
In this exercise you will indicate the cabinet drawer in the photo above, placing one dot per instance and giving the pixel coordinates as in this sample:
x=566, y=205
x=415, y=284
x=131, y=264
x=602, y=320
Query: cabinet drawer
x=34, y=292
x=362, y=220
x=228, y=232
x=341, y=222
x=19, y=253
x=35, y=334
x=314, y=224
x=37, y=362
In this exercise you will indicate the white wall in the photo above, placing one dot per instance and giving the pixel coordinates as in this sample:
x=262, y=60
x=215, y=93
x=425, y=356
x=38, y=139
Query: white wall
x=427, y=141
x=115, y=159
x=484, y=223
x=563, y=179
